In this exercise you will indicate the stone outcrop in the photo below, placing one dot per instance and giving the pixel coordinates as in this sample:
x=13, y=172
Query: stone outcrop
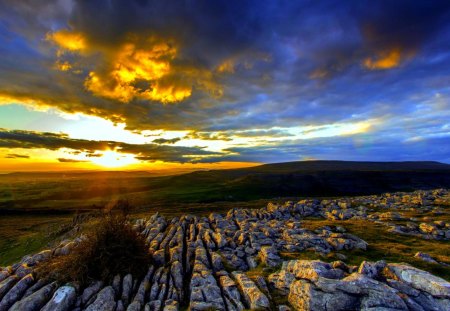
x=315, y=285
x=203, y=263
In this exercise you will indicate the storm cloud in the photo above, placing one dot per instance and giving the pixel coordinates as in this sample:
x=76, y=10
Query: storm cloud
x=222, y=69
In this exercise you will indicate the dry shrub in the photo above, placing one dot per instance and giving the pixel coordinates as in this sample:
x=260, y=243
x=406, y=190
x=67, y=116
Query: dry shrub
x=111, y=247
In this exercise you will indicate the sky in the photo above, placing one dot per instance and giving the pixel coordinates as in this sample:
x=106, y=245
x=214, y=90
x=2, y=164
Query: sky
x=108, y=84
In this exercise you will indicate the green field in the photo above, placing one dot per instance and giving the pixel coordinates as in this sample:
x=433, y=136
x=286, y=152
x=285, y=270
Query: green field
x=69, y=192
x=36, y=207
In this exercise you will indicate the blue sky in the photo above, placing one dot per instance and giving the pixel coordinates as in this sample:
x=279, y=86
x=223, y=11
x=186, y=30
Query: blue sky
x=223, y=81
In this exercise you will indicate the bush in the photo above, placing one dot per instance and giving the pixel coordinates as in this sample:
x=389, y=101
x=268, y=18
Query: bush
x=111, y=247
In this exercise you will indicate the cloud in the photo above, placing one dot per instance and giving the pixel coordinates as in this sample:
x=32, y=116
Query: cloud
x=385, y=60
x=142, y=66
x=166, y=141
x=64, y=160
x=219, y=70
x=67, y=40
x=54, y=141
x=16, y=156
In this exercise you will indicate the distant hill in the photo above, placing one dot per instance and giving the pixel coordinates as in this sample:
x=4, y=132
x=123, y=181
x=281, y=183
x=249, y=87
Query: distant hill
x=302, y=166
x=72, y=191
x=318, y=178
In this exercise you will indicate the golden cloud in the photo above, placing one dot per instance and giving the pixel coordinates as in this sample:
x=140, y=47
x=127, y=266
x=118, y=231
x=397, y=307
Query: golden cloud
x=68, y=40
x=384, y=60
x=63, y=66
x=149, y=69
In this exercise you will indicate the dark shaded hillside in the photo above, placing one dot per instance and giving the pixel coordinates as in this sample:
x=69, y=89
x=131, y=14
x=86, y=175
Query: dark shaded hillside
x=88, y=191
x=302, y=166
x=316, y=178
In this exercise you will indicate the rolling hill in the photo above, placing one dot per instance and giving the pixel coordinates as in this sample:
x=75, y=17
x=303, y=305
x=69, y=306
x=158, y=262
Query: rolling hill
x=84, y=191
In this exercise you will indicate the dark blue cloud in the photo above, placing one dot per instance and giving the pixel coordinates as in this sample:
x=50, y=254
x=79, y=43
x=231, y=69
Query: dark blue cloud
x=295, y=63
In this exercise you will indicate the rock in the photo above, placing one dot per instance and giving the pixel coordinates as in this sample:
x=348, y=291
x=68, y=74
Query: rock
x=171, y=305
x=269, y=256
x=135, y=306
x=39, y=257
x=231, y=292
x=90, y=291
x=16, y=292
x=420, y=279
x=312, y=269
x=305, y=296
x=371, y=269
x=7, y=284
x=35, y=287
x=35, y=301
x=425, y=257
x=116, y=284
x=4, y=274
x=252, y=295
x=139, y=298
x=154, y=305
x=127, y=286
x=427, y=228
x=23, y=270
x=159, y=257
x=104, y=301
x=120, y=306
x=390, y=216
x=62, y=300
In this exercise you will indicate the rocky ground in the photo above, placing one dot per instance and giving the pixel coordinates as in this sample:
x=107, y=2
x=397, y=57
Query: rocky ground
x=236, y=261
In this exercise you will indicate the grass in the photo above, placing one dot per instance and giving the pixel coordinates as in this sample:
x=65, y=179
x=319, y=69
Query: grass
x=26, y=234
x=383, y=245
x=111, y=247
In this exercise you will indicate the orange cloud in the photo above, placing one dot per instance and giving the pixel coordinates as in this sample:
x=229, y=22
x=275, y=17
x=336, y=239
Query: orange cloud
x=63, y=66
x=144, y=72
x=68, y=40
x=141, y=68
x=384, y=60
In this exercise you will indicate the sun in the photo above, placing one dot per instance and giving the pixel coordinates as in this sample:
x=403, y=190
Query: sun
x=114, y=159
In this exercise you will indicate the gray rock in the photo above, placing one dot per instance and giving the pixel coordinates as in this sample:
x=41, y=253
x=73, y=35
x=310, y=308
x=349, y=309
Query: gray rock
x=371, y=269
x=154, y=305
x=127, y=287
x=120, y=306
x=425, y=257
x=35, y=301
x=420, y=279
x=62, y=300
x=231, y=292
x=104, y=301
x=171, y=305
x=7, y=284
x=4, y=274
x=269, y=256
x=16, y=292
x=144, y=287
x=312, y=269
x=90, y=291
x=305, y=296
x=135, y=306
x=116, y=284
x=252, y=294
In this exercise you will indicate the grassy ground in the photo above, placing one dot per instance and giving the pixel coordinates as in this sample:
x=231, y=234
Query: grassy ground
x=383, y=245
x=25, y=233
x=21, y=235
